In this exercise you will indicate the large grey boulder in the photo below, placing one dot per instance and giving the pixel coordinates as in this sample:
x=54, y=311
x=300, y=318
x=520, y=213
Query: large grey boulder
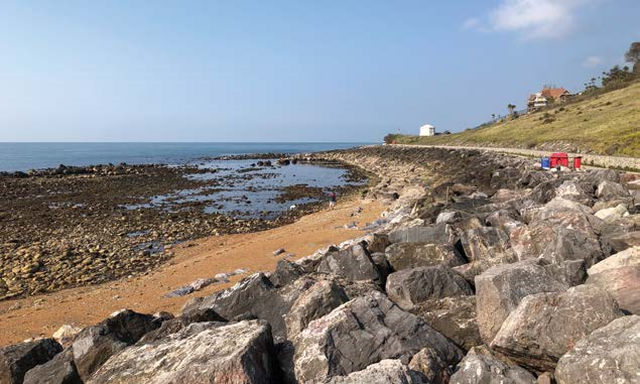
x=500, y=289
x=437, y=234
x=454, y=317
x=175, y=324
x=286, y=272
x=620, y=276
x=481, y=366
x=16, y=360
x=59, y=370
x=431, y=367
x=315, y=302
x=411, y=286
x=254, y=297
x=410, y=255
x=572, y=190
x=235, y=353
x=487, y=244
x=354, y=263
x=362, y=332
x=608, y=190
x=385, y=372
x=546, y=325
x=610, y=354
x=95, y=344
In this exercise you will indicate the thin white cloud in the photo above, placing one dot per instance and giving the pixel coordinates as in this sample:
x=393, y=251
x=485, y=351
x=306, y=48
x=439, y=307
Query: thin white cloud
x=592, y=61
x=532, y=19
x=471, y=23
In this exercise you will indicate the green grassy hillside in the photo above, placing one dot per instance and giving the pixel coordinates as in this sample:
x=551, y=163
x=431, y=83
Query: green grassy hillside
x=607, y=124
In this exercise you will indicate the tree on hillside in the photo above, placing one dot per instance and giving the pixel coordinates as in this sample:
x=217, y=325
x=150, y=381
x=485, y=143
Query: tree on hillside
x=633, y=56
x=511, y=108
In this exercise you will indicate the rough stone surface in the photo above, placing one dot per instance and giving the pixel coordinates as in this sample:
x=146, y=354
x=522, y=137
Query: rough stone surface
x=608, y=190
x=59, y=370
x=235, y=353
x=378, y=243
x=353, y=263
x=500, y=289
x=620, y=276
x=286, y=272
x=546, y=325
x=361, y=332
x=314, y=303
x=16, y=360
x=95, y=344
x=454, y=317
x=411, y=286
x=410, y=255
x=480, y=366
x=430, y=366
x=437, y=234
x=612, y=214
x=608, y=355
x=385, y=372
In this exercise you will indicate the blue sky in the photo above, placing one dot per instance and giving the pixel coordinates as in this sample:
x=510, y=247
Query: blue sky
x=290, y=70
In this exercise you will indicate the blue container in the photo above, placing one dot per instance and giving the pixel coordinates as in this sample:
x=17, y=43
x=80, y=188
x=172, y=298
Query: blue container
x=545, y=162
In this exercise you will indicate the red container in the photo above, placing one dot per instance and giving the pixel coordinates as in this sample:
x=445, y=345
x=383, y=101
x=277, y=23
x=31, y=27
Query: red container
x=577, y=162
x=559, y=158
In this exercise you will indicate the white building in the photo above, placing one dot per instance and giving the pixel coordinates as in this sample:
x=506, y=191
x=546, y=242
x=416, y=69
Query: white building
x=427, y=130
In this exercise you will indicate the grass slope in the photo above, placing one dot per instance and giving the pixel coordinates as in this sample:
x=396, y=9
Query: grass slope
x=608, y=124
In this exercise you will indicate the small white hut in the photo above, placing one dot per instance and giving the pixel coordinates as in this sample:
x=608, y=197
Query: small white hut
x=427, y=130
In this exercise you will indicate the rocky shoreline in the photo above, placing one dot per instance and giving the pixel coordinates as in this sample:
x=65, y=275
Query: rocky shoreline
x=484, y=269
x=75, y=226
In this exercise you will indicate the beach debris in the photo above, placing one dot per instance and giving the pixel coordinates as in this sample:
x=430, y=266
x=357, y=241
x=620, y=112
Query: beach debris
x=278, y=251
x=293, y=207
x=199, y=284
x=351, y=225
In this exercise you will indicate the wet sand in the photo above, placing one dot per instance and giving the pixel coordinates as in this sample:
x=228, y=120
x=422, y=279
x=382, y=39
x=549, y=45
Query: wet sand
x=44, y=314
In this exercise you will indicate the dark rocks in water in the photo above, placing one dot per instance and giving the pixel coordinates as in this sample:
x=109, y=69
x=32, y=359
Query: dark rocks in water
x=500, y=289
x=610, y=354
x=198, y=354
x=284, y=161
x=545, y=326
x=59, y=370
x=437, y=234
x=410, y=255
x=362, y=332
x=16, y=360
x=454, y=317
x=354, y=263
x=96, y=344
x=411, y=286
x=480, y=365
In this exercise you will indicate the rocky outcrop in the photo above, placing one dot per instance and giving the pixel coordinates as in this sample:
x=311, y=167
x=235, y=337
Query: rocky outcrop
x=235, y=353
x=412, y=286
x=353, y=263
x=59, y=370
x=610, y=354
x=500, y=289
x=454, y=317
x=93, y=346
x=411, y=255
x=620, y=276
x=384, y=372
x=482, y=366
x=16, y=360
x=546, y=325
x=361, y=332
x=437, y=234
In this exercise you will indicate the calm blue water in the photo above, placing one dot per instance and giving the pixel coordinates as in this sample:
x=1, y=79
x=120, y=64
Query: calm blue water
x=25, y=156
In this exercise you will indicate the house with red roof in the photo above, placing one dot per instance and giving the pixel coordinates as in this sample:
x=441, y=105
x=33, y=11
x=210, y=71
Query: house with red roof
x=546, y=97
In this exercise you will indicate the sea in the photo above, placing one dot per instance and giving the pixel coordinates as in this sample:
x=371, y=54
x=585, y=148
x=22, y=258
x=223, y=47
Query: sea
x=25, y=156
x=243, y=191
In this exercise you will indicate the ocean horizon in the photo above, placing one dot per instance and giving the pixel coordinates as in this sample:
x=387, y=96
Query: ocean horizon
x=23, y=156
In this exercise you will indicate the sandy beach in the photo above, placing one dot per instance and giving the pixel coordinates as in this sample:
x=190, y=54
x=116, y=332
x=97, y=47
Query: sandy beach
x=44, y=314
